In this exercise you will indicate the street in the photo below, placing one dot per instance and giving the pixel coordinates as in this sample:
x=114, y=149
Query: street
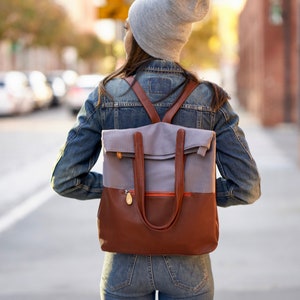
x=49, y=246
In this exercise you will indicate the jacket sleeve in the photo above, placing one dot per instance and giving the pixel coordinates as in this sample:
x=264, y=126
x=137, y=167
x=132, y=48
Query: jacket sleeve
x=72, y=176
x=240, y=180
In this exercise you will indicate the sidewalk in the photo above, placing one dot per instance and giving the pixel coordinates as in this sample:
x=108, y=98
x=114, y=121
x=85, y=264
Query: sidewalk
x=54, y=253
x=258, y=254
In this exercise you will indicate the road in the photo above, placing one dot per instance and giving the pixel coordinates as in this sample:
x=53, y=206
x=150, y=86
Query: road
x=49, y=247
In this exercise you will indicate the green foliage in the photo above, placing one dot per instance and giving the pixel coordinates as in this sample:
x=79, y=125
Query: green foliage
x=34, y=22
x=89, y=46
x=30, y=23
x=203, y=48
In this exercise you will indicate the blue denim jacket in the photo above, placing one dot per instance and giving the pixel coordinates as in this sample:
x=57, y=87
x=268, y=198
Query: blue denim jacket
x=72, y=176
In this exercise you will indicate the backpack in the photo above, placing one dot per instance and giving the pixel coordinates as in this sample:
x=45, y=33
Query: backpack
x=159, y=186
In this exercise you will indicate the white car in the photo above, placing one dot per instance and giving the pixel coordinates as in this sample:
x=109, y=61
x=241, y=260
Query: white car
x=16, y=96
x=79, y=92
x=42, y=91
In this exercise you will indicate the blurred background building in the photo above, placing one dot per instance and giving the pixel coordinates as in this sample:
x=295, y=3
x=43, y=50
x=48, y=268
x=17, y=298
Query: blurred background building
x=267, y=77
x=82, y=13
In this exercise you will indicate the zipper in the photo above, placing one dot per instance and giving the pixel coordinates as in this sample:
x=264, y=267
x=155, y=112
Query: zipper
x=158, y=194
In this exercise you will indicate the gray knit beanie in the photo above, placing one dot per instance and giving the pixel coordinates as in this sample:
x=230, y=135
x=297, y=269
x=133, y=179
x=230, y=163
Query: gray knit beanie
x=162, y=27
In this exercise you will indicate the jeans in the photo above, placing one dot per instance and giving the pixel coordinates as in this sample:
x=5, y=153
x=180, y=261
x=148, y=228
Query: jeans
x=139, y=277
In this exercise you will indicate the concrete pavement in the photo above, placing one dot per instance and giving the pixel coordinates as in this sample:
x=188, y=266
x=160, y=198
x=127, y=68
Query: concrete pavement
x=54, y=253
x=258, y=255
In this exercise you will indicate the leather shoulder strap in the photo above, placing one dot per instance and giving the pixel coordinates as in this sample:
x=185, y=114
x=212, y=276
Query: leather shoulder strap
x=191, y=85
x=149, y=107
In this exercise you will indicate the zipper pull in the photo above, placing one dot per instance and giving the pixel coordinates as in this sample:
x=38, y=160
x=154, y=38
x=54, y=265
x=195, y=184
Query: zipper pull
x=128, y=198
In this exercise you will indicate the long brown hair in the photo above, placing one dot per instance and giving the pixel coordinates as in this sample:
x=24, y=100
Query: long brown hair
x=137, y=58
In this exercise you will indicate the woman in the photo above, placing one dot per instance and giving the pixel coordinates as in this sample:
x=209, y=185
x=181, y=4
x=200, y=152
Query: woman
x=156, y=31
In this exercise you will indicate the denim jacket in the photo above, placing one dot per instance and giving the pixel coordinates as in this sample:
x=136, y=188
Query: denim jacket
x=239, y=182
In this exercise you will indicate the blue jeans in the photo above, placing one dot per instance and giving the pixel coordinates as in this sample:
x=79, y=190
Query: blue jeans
x=139, y=277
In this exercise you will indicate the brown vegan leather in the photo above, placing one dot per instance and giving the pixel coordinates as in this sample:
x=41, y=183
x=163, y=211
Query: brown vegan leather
x=157, y=222
x=139, y=179
x=144, y=99
x=190, y=86
x=122, y=228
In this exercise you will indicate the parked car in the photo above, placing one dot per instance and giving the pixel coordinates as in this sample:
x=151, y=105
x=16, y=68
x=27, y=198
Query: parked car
x=60, y=81
x=79, y=92
x=59, y=89
x=68, y=76
x=16, y=97
x=41, y=89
